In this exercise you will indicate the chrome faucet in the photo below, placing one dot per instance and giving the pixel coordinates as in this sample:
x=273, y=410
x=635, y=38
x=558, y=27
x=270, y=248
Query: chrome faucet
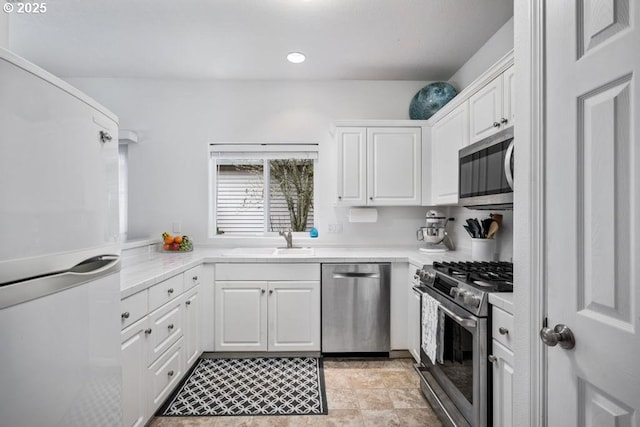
x=288, y=237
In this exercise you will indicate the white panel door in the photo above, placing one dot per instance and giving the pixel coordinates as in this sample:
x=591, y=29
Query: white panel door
x=294, y=316
x=502, y=386
x=449, y=135
x=241, y=316
x=394, y=166
x=508, y=98
x=134, y=374
x=352, y=167
x=191, y=322
x=592, y=255
x=485, y=110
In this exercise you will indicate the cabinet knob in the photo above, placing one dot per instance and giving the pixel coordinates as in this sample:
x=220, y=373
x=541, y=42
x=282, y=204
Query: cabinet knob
x=170, y=290
x=370, y=198
x=503, y=331
x=504, y=121
x=187, y=303
x=263, y=291
x=147, y=331
x=194, y=278
x=170, y=373
x=496, y=124
x=270, y=291
x=105, y=136
x=170, y=326
x=339, y=197
x=492, y=358
x=125, y=315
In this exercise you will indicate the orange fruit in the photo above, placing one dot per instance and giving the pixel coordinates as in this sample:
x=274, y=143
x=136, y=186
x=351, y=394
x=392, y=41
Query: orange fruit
x=166, y=246
x=177, y=239
x=168, y=239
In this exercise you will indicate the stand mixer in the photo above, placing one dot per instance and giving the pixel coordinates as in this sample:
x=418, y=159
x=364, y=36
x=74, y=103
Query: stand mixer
x=434, y=233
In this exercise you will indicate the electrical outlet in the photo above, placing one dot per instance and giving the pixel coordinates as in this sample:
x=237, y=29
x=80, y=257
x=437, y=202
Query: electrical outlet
x=335, y=228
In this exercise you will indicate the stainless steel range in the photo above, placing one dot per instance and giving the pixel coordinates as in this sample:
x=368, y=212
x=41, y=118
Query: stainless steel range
x=454, y=329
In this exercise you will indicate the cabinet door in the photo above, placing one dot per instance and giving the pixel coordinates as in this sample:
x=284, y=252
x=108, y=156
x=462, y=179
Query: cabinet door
x=414, y=311
x=502, y=386
x=508, y=98
x=134, y=374
x=191, y=322
x=165, y=374
x=394, y=166
x=294, y=316
x=241, y=316
x=449, y=135
x=486, y=110
x=166, y=328
x=352, y=172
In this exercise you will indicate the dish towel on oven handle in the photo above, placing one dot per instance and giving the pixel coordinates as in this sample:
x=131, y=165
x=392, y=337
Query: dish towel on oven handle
x=432, y=329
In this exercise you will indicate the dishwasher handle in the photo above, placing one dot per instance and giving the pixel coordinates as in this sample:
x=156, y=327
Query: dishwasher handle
x=350, y=275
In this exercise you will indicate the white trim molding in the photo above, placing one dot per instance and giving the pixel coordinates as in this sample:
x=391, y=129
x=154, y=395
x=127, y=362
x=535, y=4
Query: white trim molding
x=529, y=397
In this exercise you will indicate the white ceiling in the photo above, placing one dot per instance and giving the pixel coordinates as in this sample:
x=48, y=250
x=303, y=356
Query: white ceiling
x=249, y=39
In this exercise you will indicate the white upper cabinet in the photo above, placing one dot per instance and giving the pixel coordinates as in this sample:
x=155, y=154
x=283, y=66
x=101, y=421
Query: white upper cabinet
x=491, y=108
x=449, y=135
x=352, y=172
x=379, y=166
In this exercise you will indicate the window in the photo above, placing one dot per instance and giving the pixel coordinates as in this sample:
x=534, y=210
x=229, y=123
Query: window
x=259, y=189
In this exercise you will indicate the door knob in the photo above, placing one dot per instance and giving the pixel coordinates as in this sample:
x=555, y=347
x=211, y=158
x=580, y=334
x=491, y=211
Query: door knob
x=559, y=334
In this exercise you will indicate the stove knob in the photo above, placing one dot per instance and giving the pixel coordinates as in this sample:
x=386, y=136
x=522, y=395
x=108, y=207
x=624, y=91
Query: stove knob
x=431, y=275
x=473, y=301
x=453, y=292
x=462, y=295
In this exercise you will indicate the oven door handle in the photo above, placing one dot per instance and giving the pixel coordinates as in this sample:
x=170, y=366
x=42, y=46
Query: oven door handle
x=466, y=322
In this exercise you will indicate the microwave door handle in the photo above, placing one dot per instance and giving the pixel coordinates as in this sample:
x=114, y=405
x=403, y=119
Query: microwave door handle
x=508, y=172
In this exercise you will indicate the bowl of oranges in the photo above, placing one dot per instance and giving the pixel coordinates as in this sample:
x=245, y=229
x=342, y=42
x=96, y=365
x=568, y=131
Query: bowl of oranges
x=176, y=243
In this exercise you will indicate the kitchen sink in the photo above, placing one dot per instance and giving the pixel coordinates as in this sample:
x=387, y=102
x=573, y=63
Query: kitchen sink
x=293, y=251
x=250, y=251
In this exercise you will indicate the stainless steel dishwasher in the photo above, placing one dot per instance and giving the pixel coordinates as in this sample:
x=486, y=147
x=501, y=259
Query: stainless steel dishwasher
x=356, y=308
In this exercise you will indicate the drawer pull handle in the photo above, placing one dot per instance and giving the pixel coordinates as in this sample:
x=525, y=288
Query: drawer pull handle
x=170, y=373
x=492, y=358
x=170, y=290
x=170, y=326
x=194, y=278
x=125, y=315
x=147, y=331
x=503, y=331
x=187, y=303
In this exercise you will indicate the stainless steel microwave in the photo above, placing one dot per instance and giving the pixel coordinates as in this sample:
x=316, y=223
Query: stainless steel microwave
x=485, y=179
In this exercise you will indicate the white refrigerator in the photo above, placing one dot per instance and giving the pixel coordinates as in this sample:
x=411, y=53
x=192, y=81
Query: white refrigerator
x=59, y=253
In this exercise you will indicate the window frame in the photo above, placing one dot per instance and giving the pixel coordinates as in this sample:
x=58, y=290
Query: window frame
x=256, y=151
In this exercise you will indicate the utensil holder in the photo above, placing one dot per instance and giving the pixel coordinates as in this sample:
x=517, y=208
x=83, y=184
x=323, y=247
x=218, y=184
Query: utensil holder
x=483, y=249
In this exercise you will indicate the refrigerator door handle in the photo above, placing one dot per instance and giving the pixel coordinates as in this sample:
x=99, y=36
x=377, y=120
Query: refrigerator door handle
x=36, y=287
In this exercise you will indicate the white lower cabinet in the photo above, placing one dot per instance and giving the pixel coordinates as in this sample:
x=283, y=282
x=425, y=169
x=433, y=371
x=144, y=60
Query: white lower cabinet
x=159, y=348
x=279, y=313
x=502, y=362
x=191, y=322
x=134, y=373
x=413, y=329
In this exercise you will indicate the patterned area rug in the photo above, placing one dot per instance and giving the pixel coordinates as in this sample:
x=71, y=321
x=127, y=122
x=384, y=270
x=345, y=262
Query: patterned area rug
x=256, y=386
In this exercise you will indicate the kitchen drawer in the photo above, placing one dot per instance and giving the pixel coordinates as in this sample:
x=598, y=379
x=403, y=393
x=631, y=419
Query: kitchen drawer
x=165, y=291
x=133, y=308
x=192, y=277
x=166, y=373
x=502, y=319
x=166, y=328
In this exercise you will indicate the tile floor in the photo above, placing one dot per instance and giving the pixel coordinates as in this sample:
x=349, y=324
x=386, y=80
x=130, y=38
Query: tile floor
x=360, y=393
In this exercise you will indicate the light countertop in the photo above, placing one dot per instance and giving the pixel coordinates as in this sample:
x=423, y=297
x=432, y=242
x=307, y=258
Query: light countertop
x=144, y=267
x=504, y=300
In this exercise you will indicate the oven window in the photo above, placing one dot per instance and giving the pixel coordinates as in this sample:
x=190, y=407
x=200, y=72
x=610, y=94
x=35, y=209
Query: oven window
x=482, y=173
x=457, y=357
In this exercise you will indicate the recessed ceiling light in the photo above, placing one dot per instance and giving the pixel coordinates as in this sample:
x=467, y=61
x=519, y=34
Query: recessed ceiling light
x=296, y=57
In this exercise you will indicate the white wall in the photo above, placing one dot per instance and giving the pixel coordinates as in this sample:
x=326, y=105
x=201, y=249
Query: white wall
x=177, y=119
x=4, y=29
x=495, y=48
